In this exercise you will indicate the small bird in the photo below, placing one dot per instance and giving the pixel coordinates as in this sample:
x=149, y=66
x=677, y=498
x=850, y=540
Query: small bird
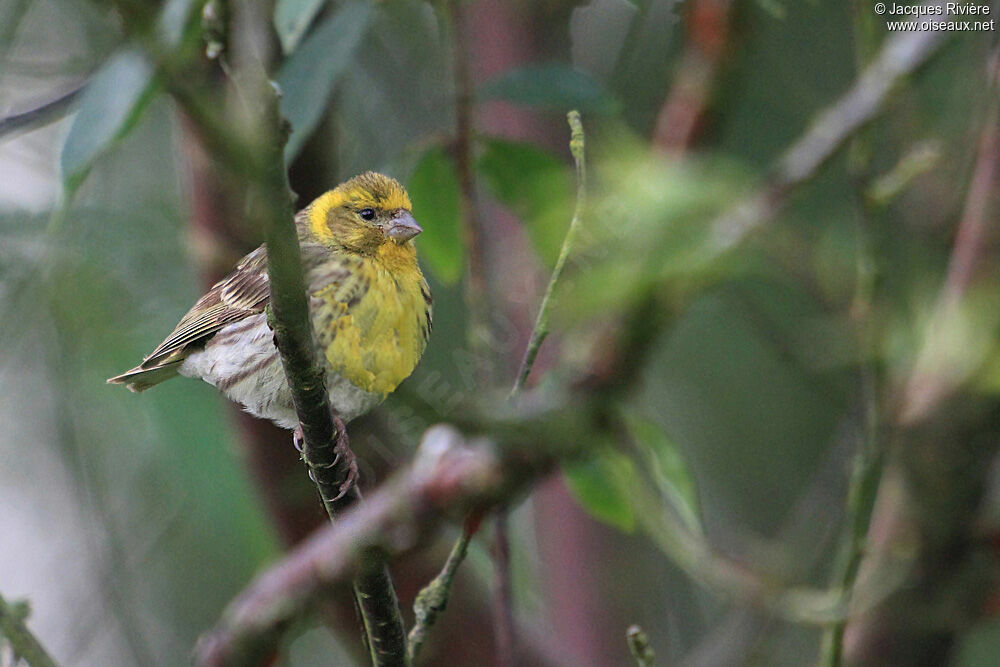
x=369, y=303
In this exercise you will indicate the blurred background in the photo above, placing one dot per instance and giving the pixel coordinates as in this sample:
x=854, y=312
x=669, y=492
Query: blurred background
x=842, y=355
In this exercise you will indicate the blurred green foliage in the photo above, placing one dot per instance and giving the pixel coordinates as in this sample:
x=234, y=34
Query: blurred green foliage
x=434, y=190
x=554, y=87
x=308, y=77
x=535, y=185
x=601, y=484
x=111, y=105
x=169, y=517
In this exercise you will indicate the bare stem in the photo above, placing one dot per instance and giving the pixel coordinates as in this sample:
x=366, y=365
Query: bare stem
x=477, y=293
x=638, y=646
x=433, y=598
x=902, y=54
x=864, y=482
x=944, y=477
x=505, y=639
x=42, y=114
x=478, y=297
x=929, y=383
x=866, y=469
x=438, y=588
x=577, y=146
x=25, y=645
x=705, y=47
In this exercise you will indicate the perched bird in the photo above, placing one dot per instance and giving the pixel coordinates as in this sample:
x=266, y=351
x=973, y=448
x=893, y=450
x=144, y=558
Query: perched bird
x=369, y=303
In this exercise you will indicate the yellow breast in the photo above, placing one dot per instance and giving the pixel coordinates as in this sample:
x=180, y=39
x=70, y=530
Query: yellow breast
x=374, y=326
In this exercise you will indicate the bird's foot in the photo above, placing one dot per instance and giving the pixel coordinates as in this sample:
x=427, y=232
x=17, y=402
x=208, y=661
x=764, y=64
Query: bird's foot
x=344, y=451
x=343, y=455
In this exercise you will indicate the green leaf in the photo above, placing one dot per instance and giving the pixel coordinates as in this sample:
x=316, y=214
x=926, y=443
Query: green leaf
x=434, y=192
x=602, y=486
x=291, y=20
x=110, y=107
x=668, y=469
x=535, y=186
x=308, y=76
x=552, y=86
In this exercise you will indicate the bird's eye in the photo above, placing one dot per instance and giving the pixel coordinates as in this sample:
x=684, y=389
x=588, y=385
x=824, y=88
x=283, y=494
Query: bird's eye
x=367, y=213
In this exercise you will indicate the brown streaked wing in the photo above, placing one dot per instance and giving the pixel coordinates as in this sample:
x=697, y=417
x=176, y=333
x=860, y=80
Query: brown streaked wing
x=241, y=294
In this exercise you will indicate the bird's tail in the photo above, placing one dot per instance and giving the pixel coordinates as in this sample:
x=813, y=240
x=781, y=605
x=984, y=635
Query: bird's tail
x=140, y=379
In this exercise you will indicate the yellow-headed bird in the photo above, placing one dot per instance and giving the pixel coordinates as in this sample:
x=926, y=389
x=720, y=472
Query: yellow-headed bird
x=369, y=303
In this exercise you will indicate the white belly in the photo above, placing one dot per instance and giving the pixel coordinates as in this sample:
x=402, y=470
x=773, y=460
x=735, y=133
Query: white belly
x=242, y=362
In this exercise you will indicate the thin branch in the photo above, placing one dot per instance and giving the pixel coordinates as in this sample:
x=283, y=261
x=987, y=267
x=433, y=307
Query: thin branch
x=504, y=638
x=930, y=498
x=325, y=449
x=446, y=477
x=256, y=153
x=436, y=593
x=577, y=146
x=638, y=646
x=917, y=161
x=451, y=477
x=433, y=598
x=41, y=115
x=930, y=380
x=866, y=473
x=707, y=30
x=867, y=462
x=477, y=292
x=902, y=54
x=478, y=297
x=25, y=645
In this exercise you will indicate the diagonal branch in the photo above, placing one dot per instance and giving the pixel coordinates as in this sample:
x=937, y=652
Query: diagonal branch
x=934, y=375
x=902, y=54
x=43, y=114
x=25, y=645
x=540, y=331
x=447, y=478
x=453, y=477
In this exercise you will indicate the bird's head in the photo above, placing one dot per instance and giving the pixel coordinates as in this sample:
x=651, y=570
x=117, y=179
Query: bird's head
x=364, y=215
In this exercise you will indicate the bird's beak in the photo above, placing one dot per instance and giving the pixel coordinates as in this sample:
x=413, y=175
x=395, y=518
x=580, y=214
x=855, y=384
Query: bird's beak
x=403, y=227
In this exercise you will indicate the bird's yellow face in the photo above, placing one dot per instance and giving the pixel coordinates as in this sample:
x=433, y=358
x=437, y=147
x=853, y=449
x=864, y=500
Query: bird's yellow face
x=369, y=214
